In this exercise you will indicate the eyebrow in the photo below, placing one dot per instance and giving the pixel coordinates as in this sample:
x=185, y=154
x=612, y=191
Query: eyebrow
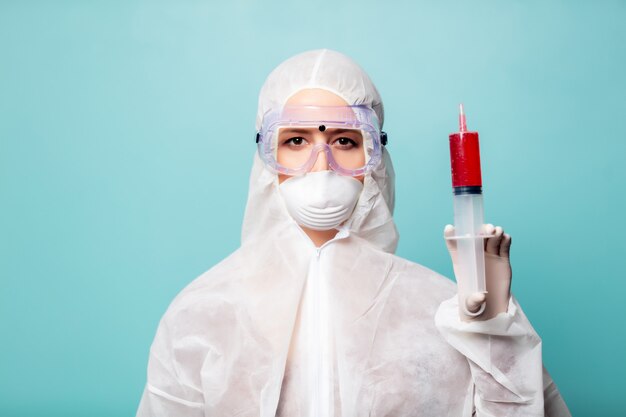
x=301, y=131
x=338, y=130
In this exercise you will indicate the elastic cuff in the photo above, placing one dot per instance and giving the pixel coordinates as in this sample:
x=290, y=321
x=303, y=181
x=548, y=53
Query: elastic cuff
x=447, y=316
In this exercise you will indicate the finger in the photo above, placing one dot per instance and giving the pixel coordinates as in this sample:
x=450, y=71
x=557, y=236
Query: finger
x=505, y=246
x=474, y=301
x=493, y=243
x=448, y=231
x=488, y=230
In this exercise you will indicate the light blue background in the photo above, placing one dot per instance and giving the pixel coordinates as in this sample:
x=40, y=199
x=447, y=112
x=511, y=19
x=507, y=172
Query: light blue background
x=127, y=130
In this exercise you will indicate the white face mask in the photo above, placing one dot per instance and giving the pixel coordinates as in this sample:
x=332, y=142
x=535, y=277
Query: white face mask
x=320, y=200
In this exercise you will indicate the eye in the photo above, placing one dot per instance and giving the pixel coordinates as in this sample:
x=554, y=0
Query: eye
x=345, y=143
x=295, y=141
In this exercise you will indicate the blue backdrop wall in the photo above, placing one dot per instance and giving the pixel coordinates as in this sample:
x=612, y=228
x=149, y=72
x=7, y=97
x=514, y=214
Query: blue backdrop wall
x=126, y=140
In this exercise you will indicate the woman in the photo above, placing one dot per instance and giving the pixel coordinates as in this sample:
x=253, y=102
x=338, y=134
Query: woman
x=313, y=315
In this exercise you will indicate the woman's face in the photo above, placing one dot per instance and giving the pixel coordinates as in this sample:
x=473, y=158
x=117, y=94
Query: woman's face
x=290, y=139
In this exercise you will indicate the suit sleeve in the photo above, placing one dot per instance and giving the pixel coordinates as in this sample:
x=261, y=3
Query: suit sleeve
x=504, y=356
x=173, y=387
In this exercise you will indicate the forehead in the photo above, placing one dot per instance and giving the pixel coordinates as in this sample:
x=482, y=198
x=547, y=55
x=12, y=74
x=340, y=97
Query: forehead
x=315, y=97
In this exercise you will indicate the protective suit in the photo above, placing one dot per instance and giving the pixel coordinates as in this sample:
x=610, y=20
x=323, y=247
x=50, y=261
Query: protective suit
x=284, y=328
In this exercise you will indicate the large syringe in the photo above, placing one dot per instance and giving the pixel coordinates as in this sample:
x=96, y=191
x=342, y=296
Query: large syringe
x=468, y=214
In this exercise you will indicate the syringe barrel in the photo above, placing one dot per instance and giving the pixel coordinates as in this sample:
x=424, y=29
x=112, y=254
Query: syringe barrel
x=468, y=224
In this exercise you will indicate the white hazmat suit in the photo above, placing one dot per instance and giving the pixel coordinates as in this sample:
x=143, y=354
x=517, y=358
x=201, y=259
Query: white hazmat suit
x=283, y=328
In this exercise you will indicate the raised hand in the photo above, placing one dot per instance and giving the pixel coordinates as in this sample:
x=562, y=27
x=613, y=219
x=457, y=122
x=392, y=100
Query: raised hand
x=498, y=274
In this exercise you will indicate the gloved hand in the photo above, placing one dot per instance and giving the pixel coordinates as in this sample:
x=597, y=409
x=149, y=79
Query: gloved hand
x=497, y=274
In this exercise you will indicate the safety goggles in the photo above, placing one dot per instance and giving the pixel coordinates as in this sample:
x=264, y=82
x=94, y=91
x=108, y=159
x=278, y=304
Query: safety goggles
x=290, y=140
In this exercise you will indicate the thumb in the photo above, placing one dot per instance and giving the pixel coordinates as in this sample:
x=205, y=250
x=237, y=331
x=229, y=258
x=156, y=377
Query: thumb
x=474, y=301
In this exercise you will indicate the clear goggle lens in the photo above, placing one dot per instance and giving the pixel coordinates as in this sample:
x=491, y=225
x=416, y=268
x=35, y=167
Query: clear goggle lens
x=349, y=137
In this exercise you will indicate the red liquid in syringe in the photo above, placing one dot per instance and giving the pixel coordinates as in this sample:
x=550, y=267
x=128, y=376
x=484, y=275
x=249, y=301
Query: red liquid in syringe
x=465, y=156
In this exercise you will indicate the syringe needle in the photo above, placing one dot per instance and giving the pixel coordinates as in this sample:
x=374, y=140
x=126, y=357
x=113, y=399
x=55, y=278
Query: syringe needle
x=462, y=123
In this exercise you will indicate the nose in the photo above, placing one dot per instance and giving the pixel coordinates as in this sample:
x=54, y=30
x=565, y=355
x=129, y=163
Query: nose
x=321, y=163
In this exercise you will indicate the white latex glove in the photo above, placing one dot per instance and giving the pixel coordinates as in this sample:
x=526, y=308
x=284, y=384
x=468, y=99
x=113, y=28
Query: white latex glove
x=497, y=274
